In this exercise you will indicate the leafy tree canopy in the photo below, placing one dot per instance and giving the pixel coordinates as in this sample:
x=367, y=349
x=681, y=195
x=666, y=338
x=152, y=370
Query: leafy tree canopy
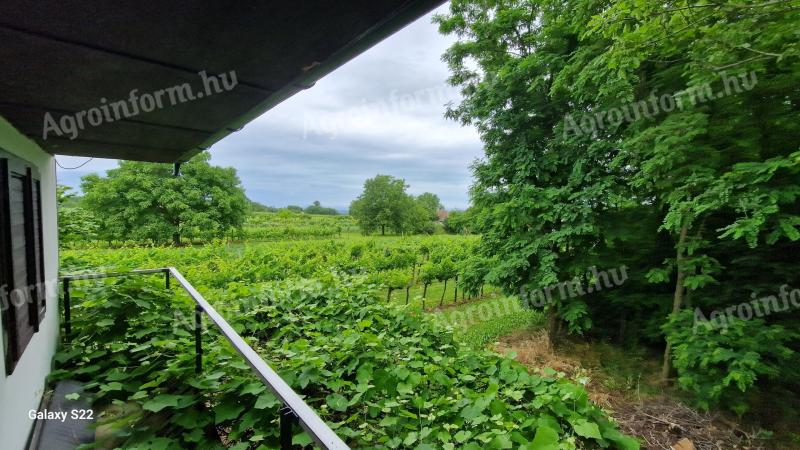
x=294, y=208
x=141, y=200
x=384, y=204
x=658, y=135
x=317, y=208
x=260, y=207
x=461, y=222
x=430, y=205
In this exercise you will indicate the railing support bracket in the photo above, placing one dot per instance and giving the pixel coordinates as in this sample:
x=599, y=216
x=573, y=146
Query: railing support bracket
x=287, y=418
x=198, y=339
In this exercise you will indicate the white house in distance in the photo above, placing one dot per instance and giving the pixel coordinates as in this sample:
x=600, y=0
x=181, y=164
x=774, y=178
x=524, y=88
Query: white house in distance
x=150, y=81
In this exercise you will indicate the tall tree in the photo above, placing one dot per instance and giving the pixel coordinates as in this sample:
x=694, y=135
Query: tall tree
x=383, y=204
x=144, y=201
x=317, y=208
x=540, y=196
x=430, y=205
x=662, y=136
x=75, y=224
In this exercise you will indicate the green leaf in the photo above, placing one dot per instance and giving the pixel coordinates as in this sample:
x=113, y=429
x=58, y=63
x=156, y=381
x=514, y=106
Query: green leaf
x=546, y=438
x=463, y=435
x=337, y=402
x=476, y=409
x=113, y=386
x=410, y=438
x=587, y=429
x=253, y=389
x=227, y=411
x=160, y=402
x=622, y=442
x=302, y=439
x=388, y=421
x=266, y=400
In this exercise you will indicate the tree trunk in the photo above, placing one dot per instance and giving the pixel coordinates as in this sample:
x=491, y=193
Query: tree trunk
x=388, y=295
x=176, y=239
x=407, y=288
x=383, y=230
x=677, y=300
x=424, y=291
x=455, y=291
x=552, y=326
x=441, y=300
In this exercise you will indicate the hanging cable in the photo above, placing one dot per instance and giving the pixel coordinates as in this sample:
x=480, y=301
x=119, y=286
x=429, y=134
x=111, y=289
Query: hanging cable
x=76, y=167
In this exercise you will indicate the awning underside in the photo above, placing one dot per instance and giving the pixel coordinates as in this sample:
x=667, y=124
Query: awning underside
x=70, y=56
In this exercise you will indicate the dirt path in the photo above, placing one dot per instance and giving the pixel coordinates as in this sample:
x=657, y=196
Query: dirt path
x=641, y=408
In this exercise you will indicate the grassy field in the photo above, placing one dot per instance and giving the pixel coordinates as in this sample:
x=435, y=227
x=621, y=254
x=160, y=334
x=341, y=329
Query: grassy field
x=479, y=323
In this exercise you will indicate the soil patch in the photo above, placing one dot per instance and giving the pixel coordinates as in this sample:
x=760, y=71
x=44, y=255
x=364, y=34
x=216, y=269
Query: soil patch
x=641, y=408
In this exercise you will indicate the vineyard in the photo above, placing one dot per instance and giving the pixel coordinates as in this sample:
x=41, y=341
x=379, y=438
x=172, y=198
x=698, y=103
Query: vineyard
x=382, y=374
x=426, y=271
x=271, y=226
x=79, y=229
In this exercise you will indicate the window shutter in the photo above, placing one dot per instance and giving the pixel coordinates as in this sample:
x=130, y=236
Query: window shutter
x=21, y=257
x=31, y=207
x=6, y=309
x=39, y=236
x=20, y=245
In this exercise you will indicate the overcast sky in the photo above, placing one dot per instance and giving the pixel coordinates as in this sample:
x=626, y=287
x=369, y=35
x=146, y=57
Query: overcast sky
x=380, y=113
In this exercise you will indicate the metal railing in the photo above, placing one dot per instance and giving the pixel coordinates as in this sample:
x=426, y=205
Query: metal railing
x=295, y=410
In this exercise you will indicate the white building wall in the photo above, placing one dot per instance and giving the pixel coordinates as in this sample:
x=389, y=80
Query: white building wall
x=21, y=391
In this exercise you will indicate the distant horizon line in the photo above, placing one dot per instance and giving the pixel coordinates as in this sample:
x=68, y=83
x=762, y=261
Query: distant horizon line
x=339, y=209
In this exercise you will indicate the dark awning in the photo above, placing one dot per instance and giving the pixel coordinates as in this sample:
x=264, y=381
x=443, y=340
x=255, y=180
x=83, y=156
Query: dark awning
x=67, y=57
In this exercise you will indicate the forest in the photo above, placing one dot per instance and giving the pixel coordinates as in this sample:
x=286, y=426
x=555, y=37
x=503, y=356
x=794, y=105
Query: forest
x=661, y=139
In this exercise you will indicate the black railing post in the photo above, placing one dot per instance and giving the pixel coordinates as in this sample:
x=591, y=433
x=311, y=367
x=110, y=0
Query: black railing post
x=287, y=419
x=67, y=318
x=166, y=278
x=198, y=338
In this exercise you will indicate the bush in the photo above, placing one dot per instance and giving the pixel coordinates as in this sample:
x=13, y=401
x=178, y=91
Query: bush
x=719, y=365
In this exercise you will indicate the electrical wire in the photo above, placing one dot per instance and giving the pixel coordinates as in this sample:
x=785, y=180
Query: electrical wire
x=76, y=167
